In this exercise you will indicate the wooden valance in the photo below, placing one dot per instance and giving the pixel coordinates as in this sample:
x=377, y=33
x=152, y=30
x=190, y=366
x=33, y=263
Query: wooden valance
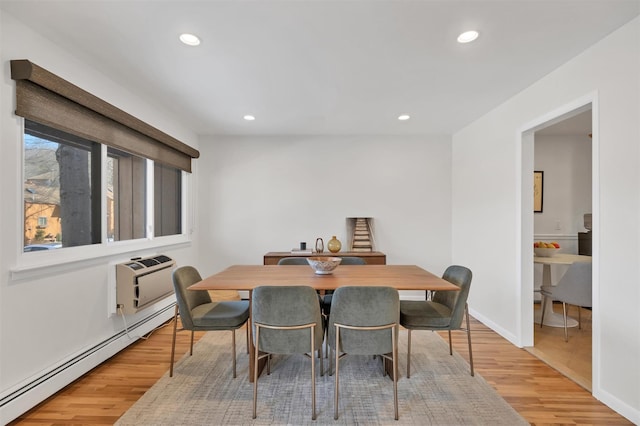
x=44, y=97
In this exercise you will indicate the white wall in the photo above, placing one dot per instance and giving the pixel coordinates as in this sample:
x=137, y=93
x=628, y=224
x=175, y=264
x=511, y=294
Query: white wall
x=268, y=194
x=486, y=207
x=566, y=162
x=51, y=315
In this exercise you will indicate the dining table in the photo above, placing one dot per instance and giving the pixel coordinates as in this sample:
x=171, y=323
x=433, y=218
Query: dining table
x=248, y=277
x=551, y=318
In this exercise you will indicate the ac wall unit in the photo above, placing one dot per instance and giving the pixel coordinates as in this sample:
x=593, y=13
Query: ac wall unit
x=142, y=282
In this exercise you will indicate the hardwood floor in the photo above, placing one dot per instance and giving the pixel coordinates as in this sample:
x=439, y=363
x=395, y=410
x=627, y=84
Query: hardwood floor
x=572, y=358
x=539, y=393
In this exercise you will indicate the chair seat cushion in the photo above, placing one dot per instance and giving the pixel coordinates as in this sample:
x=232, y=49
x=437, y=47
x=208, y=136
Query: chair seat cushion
x=223, y=315
x=427, y=315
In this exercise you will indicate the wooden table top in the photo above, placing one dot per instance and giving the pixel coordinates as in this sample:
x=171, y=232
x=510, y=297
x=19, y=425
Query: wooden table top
x=247, y=277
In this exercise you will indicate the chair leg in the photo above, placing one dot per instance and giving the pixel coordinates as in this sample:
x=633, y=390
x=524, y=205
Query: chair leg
x=466, y=309
x=579, y=318
x=394, y=337
x=337, y=356
x=173, y=343
x=233, y=351
x=544, y=305
x=191, y=350
x=408, y=353
x=564, y=312
x=313, y=372
x=450, y=344
x=255, y=373
x=247, y=330
x=268, y=365
x=330, y=351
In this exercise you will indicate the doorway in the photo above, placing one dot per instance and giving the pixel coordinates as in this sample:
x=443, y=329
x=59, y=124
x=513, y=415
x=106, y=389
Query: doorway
x=570, y=131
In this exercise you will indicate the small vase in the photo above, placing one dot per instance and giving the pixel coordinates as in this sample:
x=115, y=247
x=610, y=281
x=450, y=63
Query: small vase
x=334, y=245
x=319, y=245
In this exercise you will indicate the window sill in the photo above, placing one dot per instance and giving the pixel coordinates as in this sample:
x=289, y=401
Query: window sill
x=48, y=262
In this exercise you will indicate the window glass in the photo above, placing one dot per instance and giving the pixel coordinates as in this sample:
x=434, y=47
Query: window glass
x=59, y=198
x=63, y=192
x=126, y=196
x=167, y=200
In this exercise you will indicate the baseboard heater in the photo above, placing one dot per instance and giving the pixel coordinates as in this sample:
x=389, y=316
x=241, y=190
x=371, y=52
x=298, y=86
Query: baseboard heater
x=141, y=282
x=22, y=399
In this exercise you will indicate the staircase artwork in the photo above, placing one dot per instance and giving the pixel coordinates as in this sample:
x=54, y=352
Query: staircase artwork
x=362, y=240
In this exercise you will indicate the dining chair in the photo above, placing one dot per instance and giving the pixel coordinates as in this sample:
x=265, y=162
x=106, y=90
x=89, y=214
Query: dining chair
x=445, y=311
x=199, y=313
x=286, y=320
x=293, y=261
x=328, y=295
x=573, y=288
x=364, y=321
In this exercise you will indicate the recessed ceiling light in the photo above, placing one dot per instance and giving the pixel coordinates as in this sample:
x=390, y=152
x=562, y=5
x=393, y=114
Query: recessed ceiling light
x=189, y=39
x=404, y=117
x=249, y=117
x=467, y=36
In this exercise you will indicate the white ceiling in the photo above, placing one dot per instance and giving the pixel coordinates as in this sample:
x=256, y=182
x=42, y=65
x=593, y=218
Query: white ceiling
x=323, y=66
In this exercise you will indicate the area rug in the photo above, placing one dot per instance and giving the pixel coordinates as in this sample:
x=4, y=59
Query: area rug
x=440, y=391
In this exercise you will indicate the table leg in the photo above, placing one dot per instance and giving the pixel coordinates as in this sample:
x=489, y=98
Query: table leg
x=252, y=348
x=551, y=318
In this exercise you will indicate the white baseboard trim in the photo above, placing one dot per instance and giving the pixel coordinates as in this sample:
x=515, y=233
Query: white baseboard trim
x=632, y=414
x=495, y=327
x=30, y=393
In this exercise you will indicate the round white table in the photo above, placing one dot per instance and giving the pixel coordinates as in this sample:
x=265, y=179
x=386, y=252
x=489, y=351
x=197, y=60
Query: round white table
x=551, y=318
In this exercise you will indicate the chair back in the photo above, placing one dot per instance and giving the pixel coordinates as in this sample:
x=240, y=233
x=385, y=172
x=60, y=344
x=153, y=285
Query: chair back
x=575, y=285
x=283, y=306
x=364, y=307
x=184, y=277
x=293, y=261
x=455, y=300
x=352, y=260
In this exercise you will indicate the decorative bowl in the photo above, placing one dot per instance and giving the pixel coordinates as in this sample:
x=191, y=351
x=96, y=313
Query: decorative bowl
x=545, y=252
x=323, y=265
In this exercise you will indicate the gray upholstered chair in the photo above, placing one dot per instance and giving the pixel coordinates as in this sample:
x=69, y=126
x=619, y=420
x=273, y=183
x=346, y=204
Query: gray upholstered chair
x=198, y=313
x=293, y=261
x=445, y=311
x=328, y=295
x=286, y=320
x=364, y=321
x=573, y=288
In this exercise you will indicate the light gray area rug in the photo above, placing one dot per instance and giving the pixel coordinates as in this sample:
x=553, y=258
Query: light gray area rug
x=439, y=392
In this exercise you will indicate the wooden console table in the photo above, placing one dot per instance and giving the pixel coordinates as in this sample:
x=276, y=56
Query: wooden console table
x=371, y=258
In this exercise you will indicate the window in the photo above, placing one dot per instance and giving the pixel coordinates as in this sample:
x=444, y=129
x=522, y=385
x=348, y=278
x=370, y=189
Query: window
x=126, y=196
x=86, y=140
x=167, y=200
x=60, y=202
x=62, y=192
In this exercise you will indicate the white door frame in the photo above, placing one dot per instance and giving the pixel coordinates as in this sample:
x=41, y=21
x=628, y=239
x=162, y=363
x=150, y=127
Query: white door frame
x=524, y=191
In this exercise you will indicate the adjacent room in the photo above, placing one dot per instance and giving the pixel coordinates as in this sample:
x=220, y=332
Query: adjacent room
x=161, y=159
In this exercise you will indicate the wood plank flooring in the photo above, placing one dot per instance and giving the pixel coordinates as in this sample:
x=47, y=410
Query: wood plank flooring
x=539, y=393
x=572, y=358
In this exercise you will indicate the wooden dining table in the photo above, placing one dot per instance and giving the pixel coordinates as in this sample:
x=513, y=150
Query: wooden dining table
x=248, y=277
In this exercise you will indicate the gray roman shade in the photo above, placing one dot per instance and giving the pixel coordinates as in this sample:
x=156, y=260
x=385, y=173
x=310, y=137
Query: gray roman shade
x=43, y=97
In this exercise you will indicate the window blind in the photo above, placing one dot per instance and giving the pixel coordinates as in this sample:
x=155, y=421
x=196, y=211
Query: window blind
x=44, y=97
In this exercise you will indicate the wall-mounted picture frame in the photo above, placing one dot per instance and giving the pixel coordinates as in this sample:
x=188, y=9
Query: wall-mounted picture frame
x=538, y=186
